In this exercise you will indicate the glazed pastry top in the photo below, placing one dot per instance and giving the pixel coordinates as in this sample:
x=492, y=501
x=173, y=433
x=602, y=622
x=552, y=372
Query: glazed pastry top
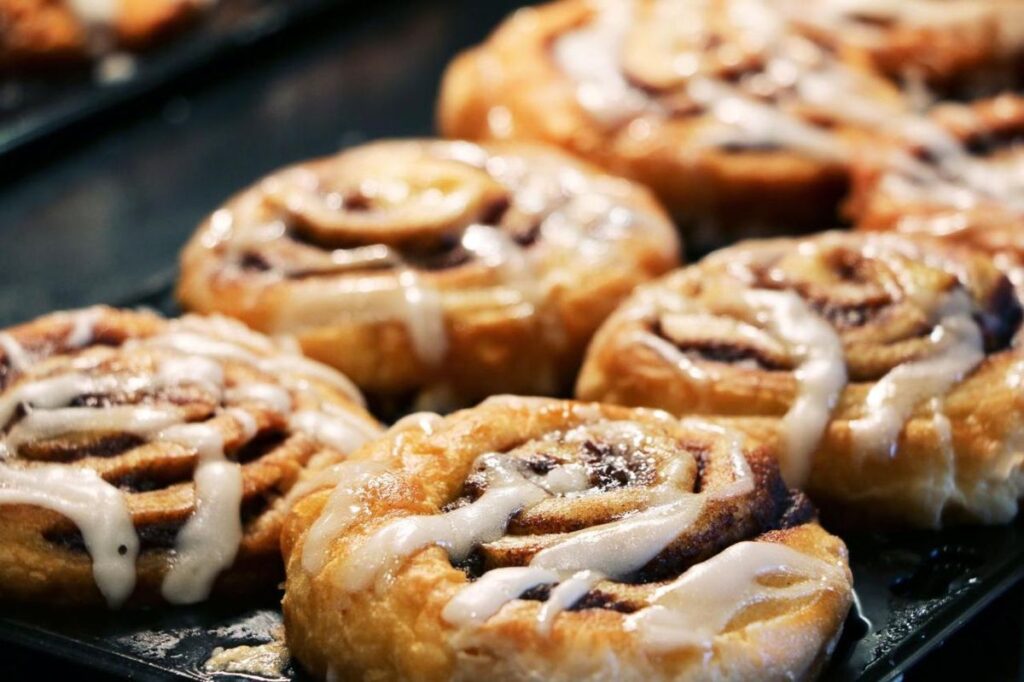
x=759, y=82
x=412, y=230
x=905, y=319
x=104, y=400
x=607, y=512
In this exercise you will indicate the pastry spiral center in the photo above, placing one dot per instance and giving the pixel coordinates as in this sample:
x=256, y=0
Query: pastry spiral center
x=417, y=206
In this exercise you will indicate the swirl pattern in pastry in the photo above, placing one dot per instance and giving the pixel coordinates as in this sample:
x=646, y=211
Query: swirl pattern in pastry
x=959, y=47
x=740, y=119
x=438, y=272
x=142, y=458
x=531, y=538
x=966, y=186
x=884, y=365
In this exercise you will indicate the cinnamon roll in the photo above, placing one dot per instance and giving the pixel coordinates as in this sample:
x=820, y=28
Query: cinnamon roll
x=882, y=365
x=962, y=47
x=530, y=538
x=143, y=459
x=739, y=120
x=964, y=183
x=39, y=31
x=432, y=273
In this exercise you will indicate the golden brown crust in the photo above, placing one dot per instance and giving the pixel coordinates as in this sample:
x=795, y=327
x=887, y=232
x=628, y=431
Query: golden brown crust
x=37, y=32
x=487, y=272
x=963, y=191
x=122, y=361
x=397, y=630
x=720, y=183
x=965, y=47
x=884, y=296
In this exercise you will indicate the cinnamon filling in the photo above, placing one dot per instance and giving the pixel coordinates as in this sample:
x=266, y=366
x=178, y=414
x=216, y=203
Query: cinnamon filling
x=621, y=474
x=718, y=340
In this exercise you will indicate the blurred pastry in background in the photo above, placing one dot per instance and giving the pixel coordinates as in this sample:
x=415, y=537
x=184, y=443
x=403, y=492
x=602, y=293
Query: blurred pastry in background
x=741, y=121
x=967, y=186
x=966, y=48
x=433, y=273
x=39, y=32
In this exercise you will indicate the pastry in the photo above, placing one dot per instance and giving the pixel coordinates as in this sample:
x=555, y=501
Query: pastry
x=963, y=47
x=883, y=365
x=432, y=273
x=740, y=122
x=143, y=459
x=530, y=538
x=964, y=184
x=41, y=31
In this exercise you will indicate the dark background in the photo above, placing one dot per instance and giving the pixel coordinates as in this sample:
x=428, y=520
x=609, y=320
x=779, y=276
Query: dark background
x=98, y=213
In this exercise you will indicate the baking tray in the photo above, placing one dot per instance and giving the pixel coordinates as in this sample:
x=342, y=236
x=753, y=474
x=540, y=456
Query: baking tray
x=101, y=219
x=913, y=590
x=34, y=105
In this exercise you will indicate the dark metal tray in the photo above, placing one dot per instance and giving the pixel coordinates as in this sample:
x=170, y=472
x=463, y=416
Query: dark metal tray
x=913, y=590
x=37, y=104
x=101, y=216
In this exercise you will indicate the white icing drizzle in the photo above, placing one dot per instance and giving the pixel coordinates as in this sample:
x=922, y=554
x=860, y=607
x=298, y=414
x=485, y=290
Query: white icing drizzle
x=234, y=348
x=480, y=600
x=304, y=366
x=17, y=356
x=405, y=298
x=956, y=179
x=96, y=12
x=797, y=69
x=140, y=420
x=209, y=540
x=186, y=354
x=579, y=214
x=424, y=317
x=573, y=565
x=843, y=15
x=637, y=539
x=562, y=597
x=83, y=327
x=50, y=393
x=590, y=57
x=958, y=349
x=338, y=512
x=692, y=610
x=336, y=428
x=271, y=395
x=95, y=506
x=821, y=374
x=745, y=121
x=457, y=531
x=944, y=435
